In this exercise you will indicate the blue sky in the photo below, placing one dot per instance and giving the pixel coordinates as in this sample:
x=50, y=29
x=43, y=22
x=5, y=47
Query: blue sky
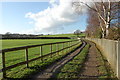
x=14, y=20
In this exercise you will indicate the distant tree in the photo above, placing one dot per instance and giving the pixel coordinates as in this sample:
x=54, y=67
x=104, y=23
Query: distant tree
x=77, y=32
x=40, y=34
x=8, y=33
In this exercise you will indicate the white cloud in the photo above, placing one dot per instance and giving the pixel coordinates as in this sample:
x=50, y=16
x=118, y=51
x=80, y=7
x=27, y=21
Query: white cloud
x=54, y=18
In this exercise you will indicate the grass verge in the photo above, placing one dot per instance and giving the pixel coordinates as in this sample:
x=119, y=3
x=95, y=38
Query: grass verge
x=104, y=68
x=72, y=68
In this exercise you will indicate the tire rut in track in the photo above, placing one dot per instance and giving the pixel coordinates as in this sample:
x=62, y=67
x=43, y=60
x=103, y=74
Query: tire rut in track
x=54, y=68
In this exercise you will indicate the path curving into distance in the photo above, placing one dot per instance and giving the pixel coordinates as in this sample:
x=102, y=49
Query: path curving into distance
x=90, y=69
x=54, y=68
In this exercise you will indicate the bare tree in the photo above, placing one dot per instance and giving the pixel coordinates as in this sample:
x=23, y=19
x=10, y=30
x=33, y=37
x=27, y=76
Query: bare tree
x=93, y=27
x=106, y=12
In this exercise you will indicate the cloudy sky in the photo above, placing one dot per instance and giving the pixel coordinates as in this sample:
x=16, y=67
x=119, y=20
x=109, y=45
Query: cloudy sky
x=50, y=17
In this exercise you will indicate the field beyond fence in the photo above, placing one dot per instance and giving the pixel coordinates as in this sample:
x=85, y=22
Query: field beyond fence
x=12, y=59
x=111, y=50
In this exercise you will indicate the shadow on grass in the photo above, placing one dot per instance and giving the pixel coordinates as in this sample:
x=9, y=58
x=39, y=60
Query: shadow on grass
x=42, y=66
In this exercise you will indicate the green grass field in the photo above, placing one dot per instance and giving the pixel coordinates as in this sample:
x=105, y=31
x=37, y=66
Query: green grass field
x=33, y=52
x=21, y=42
x=19, y=56
x=63, y=35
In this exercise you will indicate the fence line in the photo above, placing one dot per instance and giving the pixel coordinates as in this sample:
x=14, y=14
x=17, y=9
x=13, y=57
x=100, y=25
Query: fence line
x=111, y=50
x=4, y=69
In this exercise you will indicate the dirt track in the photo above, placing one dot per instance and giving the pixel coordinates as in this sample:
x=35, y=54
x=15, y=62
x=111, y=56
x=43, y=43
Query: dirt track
x=53, y=69
x=90, y=69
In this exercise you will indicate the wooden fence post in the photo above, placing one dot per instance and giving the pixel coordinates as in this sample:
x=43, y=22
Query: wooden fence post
x=71, y=45
x=51, y=49
x=63, y=48
x=58, y=48
x=68, y=46
x=41, y=52
x=26, y=56
x=3, y=64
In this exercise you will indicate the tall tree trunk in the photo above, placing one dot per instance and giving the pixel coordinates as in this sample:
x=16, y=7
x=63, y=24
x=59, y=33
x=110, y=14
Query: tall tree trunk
x=107, y=24
x=103, y=34
x=107, y=30
x=108, y=18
